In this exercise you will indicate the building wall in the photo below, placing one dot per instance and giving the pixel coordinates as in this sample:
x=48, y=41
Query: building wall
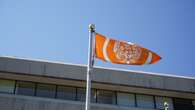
x=12, y=102
x=105, y=78
x=74, y=75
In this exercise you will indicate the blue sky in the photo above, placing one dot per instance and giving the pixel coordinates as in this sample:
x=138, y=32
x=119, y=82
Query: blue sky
x=57, y=30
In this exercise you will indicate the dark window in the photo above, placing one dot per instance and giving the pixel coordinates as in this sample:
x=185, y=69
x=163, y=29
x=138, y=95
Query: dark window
x=106, y=97
x=182, y=104
x=45, y=90
x=193, y=104
x=68, y=93
x=25, y=88
x=81, y=94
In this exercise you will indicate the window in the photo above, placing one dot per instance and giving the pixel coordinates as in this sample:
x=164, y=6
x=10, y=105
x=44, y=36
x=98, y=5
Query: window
x=7, y=86
x=97, y=96
x=93, y=95
x=81, y=94
x=45, y=90
x=160, y=102
x=193, y=104
x=182, y=104
x=106, y=97
x=68, y=93
x=145, y=101
x=126, y=99
x=25, y=88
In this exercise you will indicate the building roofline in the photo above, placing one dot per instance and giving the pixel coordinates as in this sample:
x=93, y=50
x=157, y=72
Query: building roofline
x=149, y=73
x=100, y=67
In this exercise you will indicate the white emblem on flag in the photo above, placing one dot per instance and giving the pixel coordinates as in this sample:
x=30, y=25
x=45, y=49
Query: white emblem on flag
x=127, y=53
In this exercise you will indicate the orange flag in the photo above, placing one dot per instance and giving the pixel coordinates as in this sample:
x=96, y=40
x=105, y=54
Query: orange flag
x=122, y=52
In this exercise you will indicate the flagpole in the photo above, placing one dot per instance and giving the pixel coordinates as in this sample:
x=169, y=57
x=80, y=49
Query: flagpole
x=90, y=65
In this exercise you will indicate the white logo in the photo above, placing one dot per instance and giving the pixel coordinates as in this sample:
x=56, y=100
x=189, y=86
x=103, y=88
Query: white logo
x=128, y=53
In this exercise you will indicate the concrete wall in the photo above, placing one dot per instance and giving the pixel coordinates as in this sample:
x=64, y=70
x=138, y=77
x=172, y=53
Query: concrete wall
x=13, y=102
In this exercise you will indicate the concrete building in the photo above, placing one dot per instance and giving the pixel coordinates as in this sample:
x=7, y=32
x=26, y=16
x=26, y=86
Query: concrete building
x=41, y=85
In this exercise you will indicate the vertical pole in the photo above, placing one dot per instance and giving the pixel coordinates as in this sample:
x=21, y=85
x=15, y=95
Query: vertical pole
x=90, y=65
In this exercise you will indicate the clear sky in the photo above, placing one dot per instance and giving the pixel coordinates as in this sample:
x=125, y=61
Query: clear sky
x=57, y=30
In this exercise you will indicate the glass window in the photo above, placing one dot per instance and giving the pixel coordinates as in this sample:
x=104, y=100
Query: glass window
x=106, y=97
x=160, y=102
x=125, y=99
x=145, y=101
x=93, y=95
x=81, y=94
x=7, y=86
x=45, y=90
x=182, y=104
x=68, y=93
x=25, y=88
x=193, y=104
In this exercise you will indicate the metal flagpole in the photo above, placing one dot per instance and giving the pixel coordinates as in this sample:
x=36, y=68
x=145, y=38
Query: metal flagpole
x=90, y=65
